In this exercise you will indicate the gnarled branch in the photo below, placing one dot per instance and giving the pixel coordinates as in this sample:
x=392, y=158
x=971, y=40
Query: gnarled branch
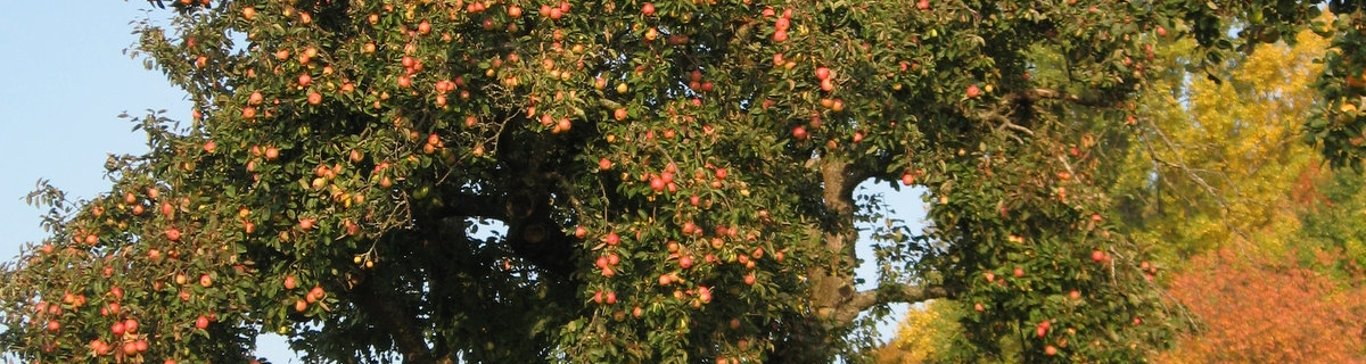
x=904, y=293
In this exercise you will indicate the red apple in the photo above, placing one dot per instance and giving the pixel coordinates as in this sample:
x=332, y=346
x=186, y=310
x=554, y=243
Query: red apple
x=822, y=73
x=648, y=9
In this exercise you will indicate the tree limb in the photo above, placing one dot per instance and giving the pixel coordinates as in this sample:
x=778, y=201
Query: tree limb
x=404, y=329
x=1037, y=94
x=904, y=293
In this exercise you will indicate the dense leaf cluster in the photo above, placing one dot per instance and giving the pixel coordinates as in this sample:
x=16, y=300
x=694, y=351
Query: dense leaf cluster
x=673, y=180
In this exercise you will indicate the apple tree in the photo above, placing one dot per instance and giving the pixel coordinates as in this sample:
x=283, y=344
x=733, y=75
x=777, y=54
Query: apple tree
x=440, y=181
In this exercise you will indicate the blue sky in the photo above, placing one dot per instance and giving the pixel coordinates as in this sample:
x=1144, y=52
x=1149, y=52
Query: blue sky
x=63, y=82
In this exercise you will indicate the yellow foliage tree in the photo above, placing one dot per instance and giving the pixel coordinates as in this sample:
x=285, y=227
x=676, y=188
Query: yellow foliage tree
x=1217, y=161
x=924, y=335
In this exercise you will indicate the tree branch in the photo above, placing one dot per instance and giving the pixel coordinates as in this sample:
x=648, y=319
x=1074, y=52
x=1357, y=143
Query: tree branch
x=1037, y=94
x=904, y=293
x=404, y=329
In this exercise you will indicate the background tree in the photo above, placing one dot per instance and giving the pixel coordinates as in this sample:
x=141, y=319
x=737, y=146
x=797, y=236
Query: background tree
x=674, y=178
x=1267, y=308
x=1218, y=167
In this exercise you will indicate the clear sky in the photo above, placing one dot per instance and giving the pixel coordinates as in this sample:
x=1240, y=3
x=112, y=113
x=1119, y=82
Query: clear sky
x=64, y=79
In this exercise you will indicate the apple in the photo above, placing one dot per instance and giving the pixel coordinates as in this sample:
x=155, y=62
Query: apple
x=685, y=262
x=305, y=80
x=201, y=322
x=923, y=5
x=1097, y=256
x=130, y=326
x=612, y=239
x=300, y=306
x=316, y=294
x=1019, y=272
x=291, y=282
x=780, y=36
x=648, y=9
x=620, y=114
x=1075, y=295
x=315, y=98
x=1050, y=350
x=750, y=279
x=173, y=234
x=604, y=164
x=799, y=132
x=822, y=73
x=249, y=13
x=973, y=91
x=205, y=280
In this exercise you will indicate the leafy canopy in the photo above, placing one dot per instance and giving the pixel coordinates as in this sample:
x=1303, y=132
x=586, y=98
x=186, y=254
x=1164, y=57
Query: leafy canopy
x=675, y=179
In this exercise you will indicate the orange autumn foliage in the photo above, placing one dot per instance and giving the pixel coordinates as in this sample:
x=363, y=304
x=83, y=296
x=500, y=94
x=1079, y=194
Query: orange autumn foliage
x=1267, y=309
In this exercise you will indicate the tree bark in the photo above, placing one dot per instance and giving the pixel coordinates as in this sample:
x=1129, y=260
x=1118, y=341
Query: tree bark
x=405, y=329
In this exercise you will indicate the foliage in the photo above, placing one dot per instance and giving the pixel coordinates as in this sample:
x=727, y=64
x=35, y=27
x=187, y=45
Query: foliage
x=674, y=178
x=1266, y=308
x=927, y=333
x=1217, y=162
